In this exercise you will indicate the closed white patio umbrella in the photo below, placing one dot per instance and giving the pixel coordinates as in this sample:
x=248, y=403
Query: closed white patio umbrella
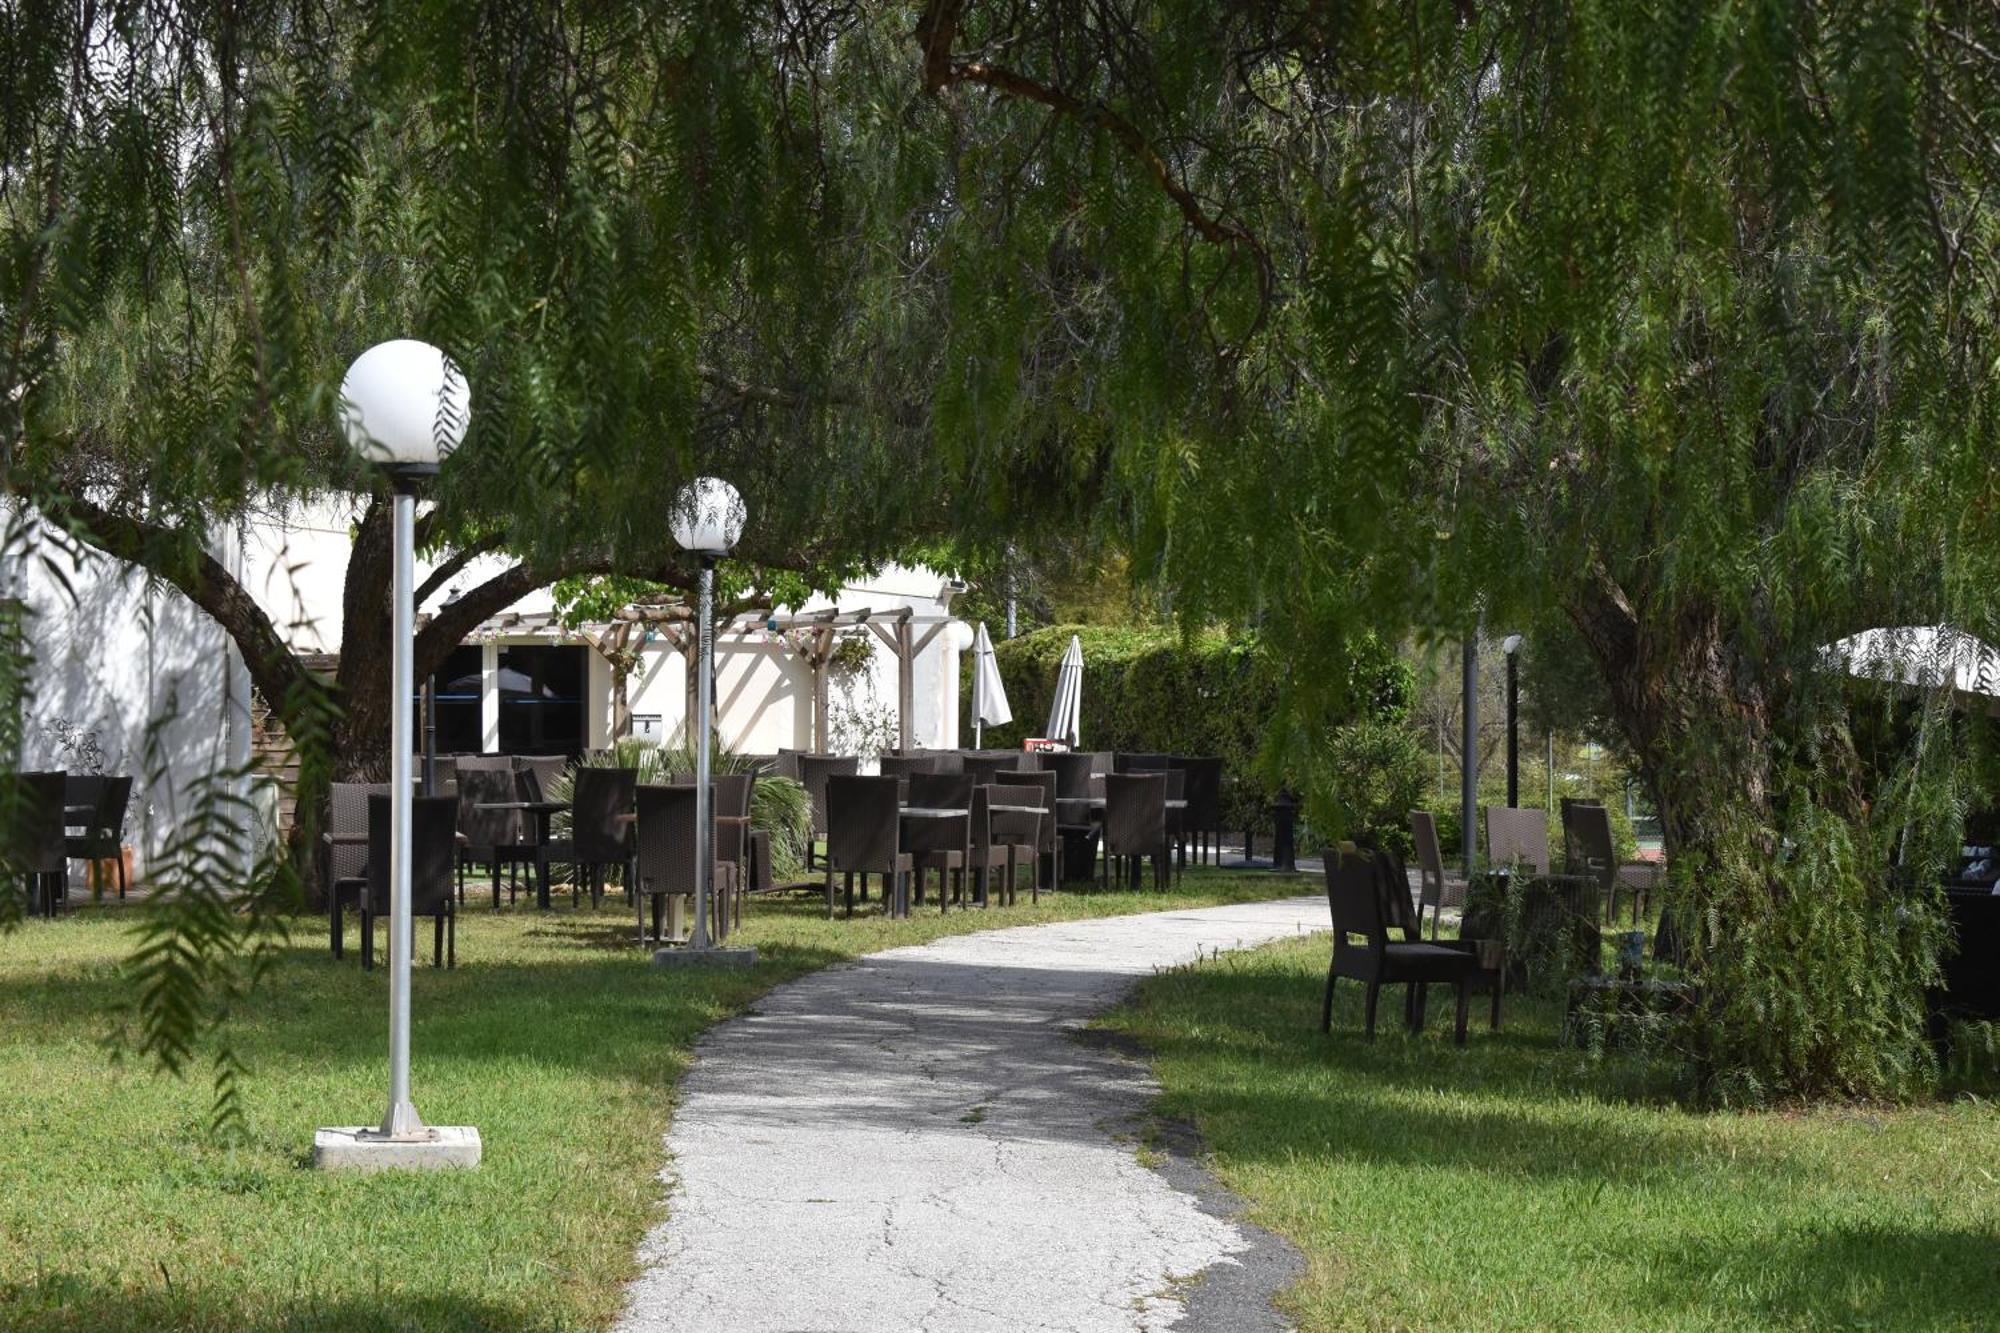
x=989, y=692
x=1065, y=715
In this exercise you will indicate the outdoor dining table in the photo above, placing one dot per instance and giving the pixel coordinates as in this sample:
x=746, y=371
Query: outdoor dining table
x=543, y=812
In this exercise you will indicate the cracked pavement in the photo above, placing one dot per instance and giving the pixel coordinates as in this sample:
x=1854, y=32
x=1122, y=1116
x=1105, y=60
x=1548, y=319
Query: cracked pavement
x=915, y=1141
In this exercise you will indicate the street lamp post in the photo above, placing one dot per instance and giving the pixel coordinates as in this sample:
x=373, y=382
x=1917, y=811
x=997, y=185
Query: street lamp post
x=707, y=519
x=1511, y=645
x=404, y=408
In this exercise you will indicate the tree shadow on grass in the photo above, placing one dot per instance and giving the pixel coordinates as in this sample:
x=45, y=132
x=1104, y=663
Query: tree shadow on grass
x=1844, y=1275
x=67, y=1301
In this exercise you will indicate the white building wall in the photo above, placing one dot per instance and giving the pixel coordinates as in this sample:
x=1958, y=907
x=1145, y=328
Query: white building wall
x=138, y=666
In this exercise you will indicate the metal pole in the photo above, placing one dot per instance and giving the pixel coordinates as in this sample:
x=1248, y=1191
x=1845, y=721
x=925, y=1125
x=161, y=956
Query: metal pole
x=1550, y=771
x=704, y=858
x=401, y=1121
x=1468, y=790
x=1513, y=732
x=431, y=734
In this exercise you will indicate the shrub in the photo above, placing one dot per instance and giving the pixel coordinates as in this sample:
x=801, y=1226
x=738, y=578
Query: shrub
x=1219, y=694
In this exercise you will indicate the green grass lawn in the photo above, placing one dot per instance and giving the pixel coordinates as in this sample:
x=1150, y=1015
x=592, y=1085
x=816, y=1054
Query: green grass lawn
x=554, y=1037
x=1517, y=1184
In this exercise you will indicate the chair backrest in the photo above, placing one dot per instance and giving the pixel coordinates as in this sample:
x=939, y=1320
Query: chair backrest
x=115, y=805
x=733, y=793
x=495, y=763
x=666, y=838
x=940, y=791
x=1587, y=846
x=1202, y=790
x=1072, y=775
x=1176, y=783
x=38, y=836
x=1517, y=837
x=942, y=761
x=863, y=823
x=600, y=796
x=1430, y=857
x=903, y=765
x=814, y=770
x=1398, y=911
x=1135, y=813
x=1044, y=786
x=486, y=830
x=985, y=768
x=83, y=789
x=783, y=764
x=445, y=770
x=1014, y=827
x=1354, y=898
x=541, y=771
x=433, y=848
x=347, y=816
x=1126, y=762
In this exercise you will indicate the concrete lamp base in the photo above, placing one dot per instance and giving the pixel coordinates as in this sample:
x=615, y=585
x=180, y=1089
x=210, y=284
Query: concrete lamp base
x=346, y=1148
x=716, y=956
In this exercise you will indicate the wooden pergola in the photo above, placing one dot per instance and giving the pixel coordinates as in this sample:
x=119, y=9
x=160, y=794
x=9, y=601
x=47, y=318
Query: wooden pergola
x=808, y=636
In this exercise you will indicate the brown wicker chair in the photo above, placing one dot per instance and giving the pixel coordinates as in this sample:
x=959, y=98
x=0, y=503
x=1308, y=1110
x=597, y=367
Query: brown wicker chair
x=864, y=838
x=665, y=860
x=103, y=835
x=1354, y=897
x=1433, y=891
x=1135, y=825
x=600, y=830
x=1075, y=792
x=344, y=853
x=943, y=845
x=433, y=844
x=491, y=837
x=814, y=770
x=1202, y=820
x=37, y=852
x=1517, y=837
x=1017, y=832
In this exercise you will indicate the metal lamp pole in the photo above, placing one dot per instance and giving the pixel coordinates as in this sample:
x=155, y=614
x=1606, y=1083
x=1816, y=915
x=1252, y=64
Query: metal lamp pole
x=404, y=406
x=1468, y=775
x=707, y=519
x=1512, y=645
x=704, y=855
x=401, y=1122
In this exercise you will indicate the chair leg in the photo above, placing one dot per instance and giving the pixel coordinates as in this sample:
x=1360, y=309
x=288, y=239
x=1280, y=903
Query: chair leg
x=495, y=867
x=337, y=918
x=367, y=940
x=437, y=940
x=1497, y=987
x=829, y=893
x=1464, y=999
x=639, y=915
x=1326, y=1005
x=1374, y=994
x=451, y=940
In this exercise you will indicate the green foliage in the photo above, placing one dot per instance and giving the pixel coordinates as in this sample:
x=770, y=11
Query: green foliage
x=1210, y=693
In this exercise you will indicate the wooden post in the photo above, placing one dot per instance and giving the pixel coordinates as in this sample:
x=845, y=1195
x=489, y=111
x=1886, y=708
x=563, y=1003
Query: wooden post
x=822, y=652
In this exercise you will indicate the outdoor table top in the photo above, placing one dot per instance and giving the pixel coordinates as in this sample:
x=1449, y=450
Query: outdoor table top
x=538, y=807
x=1097, y=802
x=934, y=812
x=1018, y=809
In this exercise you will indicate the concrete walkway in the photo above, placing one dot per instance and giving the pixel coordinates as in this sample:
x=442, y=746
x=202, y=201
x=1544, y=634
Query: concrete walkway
x=917, y=1141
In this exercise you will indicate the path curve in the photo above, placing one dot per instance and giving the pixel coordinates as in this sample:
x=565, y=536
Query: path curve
x=916, y=1141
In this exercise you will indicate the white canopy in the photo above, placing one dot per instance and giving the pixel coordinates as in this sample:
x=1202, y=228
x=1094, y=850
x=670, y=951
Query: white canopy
x=1065, y=715
x=1926, y=656
x=989, y=692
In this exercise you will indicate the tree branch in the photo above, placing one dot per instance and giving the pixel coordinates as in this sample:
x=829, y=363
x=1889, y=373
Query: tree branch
x=453, y=565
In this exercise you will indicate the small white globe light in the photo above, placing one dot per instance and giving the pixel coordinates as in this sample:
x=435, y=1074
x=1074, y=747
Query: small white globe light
x=707, y=516
x=404, y=403
x=1511, y=644
x=959, y=635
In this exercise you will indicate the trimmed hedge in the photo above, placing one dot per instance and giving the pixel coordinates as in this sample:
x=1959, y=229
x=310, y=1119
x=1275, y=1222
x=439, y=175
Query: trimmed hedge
x=1148, y=690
